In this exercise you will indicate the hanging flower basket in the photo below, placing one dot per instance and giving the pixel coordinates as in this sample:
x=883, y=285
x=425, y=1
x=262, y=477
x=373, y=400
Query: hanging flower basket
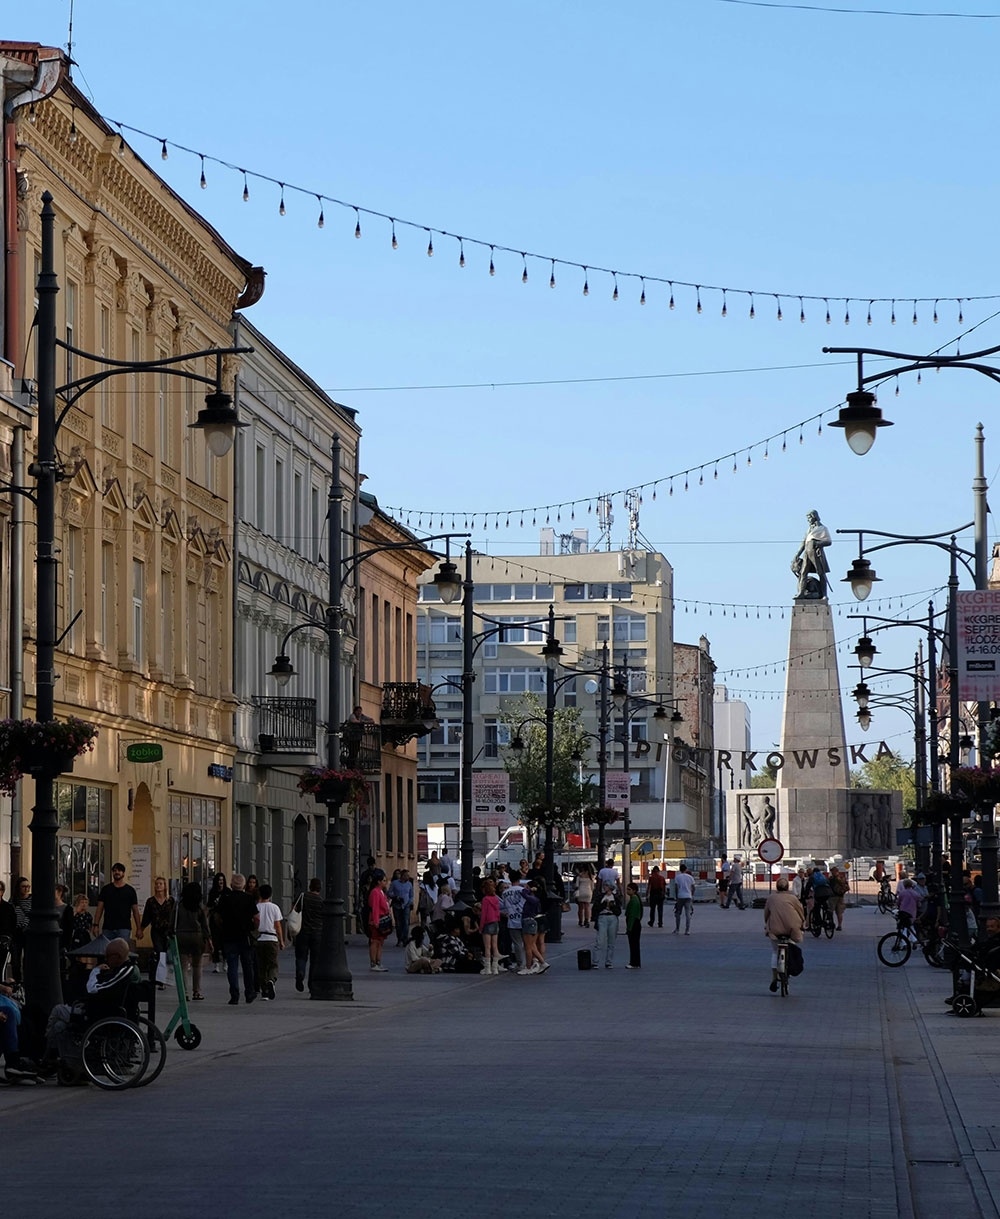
x=28, y=747
x=602, y=816
x=335, y=786
x=979, y=785
x=940, y=807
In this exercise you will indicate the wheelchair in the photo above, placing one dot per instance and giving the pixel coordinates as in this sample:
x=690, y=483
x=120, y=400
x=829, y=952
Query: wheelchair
x=109, y=1041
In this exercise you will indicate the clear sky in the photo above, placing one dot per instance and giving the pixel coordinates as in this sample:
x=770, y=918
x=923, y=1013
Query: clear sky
x=768, y=149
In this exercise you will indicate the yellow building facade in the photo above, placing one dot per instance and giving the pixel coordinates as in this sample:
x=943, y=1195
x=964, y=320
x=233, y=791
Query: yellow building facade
x=144, y=511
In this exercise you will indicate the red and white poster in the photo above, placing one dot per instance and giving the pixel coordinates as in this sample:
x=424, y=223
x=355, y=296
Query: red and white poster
x=491, y=798
x=978, y=652
x=618, y=789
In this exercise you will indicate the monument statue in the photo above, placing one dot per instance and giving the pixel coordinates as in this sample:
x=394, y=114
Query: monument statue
x=810, y=563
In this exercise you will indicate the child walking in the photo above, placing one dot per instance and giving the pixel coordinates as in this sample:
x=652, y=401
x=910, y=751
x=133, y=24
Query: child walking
x=633, y=926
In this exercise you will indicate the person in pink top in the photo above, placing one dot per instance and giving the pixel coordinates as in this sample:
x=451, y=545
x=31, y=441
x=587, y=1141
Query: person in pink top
x=378, y=908
x=489, y=927
x=907, y=902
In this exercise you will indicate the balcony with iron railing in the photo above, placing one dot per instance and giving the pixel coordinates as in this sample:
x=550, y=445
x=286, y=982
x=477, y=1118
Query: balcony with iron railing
x=285, y=725
x=408, y=711
x=361, y=747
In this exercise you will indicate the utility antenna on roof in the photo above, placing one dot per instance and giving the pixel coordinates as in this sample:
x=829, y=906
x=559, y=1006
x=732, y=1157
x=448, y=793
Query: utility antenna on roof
x=605, y=519
x=69, y=43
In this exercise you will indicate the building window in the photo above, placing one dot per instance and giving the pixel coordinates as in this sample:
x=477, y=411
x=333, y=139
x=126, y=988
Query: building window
x=163, y=410
x=438, y=628
x=104, y=347
x=496, y=736
x=70, y=326
x=568, y=630
x=138, y=599
x=438, y=789
x=447, y=732
x=83, y=841
x=314, y=547
x=279, y=500
x=411, y=820
x=107, y=592
x=629, y=628
x=195, y=835
x=569, y=693
x=167, y=621
x=400, y=816
x=373, y=624
x=389, y=837
x=260, y=488
x=135, y=389
x=297, y=511
x=597, y=592
x=74, y=583
x=514, y=680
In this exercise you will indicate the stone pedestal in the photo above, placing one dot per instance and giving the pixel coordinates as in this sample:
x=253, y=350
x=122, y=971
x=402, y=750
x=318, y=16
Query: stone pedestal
x=812, y=730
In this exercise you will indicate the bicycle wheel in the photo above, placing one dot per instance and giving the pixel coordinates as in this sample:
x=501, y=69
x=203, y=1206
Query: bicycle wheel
x=893, y=949
x=884, y=904
x=828, y=926
x=816, y=924
x=157, y=1051
x=783, y=970
x=115, y=1053
x=934, y=953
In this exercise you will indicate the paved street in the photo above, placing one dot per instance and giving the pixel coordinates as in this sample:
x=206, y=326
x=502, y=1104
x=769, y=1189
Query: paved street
x=686, y=1087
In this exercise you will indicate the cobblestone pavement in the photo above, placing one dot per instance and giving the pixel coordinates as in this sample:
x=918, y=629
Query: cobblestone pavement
x=685, y=1087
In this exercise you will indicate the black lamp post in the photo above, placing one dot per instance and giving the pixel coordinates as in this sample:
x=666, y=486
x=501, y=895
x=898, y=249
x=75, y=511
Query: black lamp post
x=860, y=577
x=331, y=977
x=219, y=422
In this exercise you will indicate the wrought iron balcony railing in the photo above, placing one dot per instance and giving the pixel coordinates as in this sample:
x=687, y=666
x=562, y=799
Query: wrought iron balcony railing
x=361, y=747
x=286, y=725
x=407, y=711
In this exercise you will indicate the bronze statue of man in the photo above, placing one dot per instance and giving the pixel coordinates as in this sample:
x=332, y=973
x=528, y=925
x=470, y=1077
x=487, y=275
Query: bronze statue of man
x=810, y=563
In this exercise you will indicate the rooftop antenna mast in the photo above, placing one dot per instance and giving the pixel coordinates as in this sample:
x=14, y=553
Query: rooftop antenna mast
x=69, y=44
x=605, y=519
x=636, y=538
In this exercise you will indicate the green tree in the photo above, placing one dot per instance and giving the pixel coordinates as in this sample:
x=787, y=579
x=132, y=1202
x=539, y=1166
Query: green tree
x=768, y=776
x=888, y=773
x=526, y=766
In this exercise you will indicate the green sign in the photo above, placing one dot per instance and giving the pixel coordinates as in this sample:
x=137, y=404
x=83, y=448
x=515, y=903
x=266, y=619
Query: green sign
x=145, y=751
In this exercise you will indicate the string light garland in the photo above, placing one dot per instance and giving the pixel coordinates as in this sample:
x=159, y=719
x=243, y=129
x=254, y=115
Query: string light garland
x=697, y=291
x=859, y=12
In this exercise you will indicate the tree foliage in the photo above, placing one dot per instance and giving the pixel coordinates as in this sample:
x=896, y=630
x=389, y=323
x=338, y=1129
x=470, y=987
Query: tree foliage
x=526, y=766
x=888, y=773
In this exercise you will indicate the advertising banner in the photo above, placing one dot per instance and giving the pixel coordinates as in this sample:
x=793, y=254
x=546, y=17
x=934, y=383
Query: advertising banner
x=491, y=798
x=618, y=789
x=978, y=650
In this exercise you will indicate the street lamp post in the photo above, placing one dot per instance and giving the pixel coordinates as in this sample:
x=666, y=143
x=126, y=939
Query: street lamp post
x=331, y=977
x=861, y=577
x=219, y=421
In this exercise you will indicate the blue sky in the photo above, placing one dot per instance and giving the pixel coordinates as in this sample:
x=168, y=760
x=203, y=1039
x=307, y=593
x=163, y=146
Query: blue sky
x=773, y=150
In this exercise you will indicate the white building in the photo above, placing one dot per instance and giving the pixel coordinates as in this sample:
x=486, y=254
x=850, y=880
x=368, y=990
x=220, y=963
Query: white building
x=622, y=597
x=732, y=736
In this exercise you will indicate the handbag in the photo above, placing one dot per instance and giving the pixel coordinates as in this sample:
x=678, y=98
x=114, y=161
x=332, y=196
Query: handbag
x=385, y=924
x=293, y=924
x=794, y=960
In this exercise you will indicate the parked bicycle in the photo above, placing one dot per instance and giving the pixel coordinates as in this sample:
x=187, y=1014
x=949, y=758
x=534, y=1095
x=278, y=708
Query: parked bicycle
x=895, y=948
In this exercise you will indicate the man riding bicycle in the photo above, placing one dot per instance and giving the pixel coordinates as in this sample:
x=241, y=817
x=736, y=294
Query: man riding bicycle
x=818, y=888
x=783, y=917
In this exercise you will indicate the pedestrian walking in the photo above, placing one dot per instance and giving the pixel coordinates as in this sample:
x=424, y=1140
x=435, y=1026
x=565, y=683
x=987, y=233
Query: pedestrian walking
x=735, y=888
x=512, y=907
x=683, y=899
x=840, y=889
x=22, y=908
x=379, y=921
x=270, y=941
x=158, y=916
x=79, y=930
x=656, y=895
x=193, y=938
x=584, y=893
x=608, y=910
x=238, y=919
x=401, y=900
x=310, y=933
x=534, y=962
x=725, y=870
x=489, y=927
x=633, y=926
x=118, y=906
x=219, y=886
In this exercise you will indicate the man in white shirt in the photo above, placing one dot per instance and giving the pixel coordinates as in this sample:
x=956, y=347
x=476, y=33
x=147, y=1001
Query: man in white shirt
x=511, y=905
x=608, y=876
x=735, y=885
x=684, y=899
x=270, y=940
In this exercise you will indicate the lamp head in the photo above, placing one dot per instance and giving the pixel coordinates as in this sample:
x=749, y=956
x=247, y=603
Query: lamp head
x=861, y=693
x=448, y=582
x=517, y=744
x=219, y=422
x=660, y=713
x=865, y=651
x=860, y=419
x=865, y=719
x=861, y=577
x=619, y=694
x=552, y=651
x=677, y=718
x=282, y=670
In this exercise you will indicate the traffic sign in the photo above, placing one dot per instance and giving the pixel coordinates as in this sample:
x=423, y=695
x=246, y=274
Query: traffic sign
x=770, y=850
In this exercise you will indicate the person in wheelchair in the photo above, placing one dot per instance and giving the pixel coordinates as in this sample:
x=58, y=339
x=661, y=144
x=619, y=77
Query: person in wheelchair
x=105, y=996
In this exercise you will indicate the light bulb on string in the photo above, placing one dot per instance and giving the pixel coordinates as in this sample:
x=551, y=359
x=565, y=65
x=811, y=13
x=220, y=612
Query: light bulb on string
x=827, y=311
x=203, y=184
x=935, y=312
x=870, y=303
x=246, y=188
x=322, y=219
x=697, y=294
x=614, y=295
x=961, y=319
x=918, y=378
x=734, y=463
x=395, y=243
x=642, y=295
x=778, y=301
x=701, y=477
x=493, y=269
x=281, y=204
x=819, y=429
x=715, y=475
x=784, y=445
x=752, y=311
x=671, y=486
x=552, y=274
x=524, y=269
x=671, y=295
x=801, y=438
x=766, y=453
x=430, y=244
x=897, y=387
x=72, y=126
x=357, y=223
x=892, y=318
x=121, y=143
x=163, y=150
x=847, y=313
x=802, y=310
x=724, y=311
x=31, y=114
x=586, y=286
x=914, y=313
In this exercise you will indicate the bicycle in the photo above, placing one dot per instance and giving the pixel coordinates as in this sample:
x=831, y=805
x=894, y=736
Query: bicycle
x=821, y=920
x=886, y=898
x=895, y=948
x=781, y=949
